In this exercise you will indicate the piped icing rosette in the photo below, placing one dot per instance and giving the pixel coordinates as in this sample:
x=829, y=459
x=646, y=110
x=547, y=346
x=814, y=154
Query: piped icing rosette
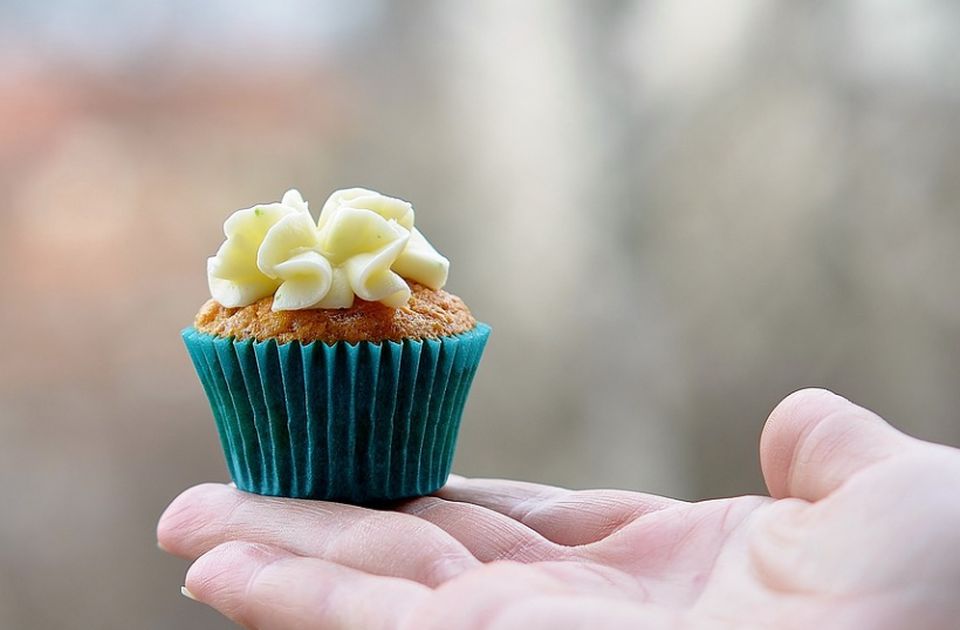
x=364, y=245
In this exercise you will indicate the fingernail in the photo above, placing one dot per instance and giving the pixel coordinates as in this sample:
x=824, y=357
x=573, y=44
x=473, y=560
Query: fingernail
x=186, y=593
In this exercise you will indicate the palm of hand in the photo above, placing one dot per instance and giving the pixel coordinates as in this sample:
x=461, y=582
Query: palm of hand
x=865, y=533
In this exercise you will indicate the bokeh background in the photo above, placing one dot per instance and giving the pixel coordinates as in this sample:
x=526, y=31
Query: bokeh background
x=672, y=212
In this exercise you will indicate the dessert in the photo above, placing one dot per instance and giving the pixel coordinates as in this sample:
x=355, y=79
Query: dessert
x=336, y=366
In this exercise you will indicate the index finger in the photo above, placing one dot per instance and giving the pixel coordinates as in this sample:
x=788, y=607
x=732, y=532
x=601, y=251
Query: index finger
x=566, y=517
x=374, y=541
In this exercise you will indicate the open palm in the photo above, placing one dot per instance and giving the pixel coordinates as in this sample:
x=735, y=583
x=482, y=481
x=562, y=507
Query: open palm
x=862, y=531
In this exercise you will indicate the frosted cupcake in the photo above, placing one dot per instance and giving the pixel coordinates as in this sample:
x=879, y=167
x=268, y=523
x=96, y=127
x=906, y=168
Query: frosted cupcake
x=336, y=366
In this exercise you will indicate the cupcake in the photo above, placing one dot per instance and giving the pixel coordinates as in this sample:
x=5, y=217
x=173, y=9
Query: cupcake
x=335, y=365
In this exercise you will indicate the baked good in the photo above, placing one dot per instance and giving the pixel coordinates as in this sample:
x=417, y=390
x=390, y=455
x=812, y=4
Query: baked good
x=335, y=365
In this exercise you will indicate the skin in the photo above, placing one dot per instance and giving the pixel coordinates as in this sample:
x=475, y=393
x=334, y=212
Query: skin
x=861, y=530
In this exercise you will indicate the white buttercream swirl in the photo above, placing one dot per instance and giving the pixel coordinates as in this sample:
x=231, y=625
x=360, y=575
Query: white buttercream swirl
x=364, y=244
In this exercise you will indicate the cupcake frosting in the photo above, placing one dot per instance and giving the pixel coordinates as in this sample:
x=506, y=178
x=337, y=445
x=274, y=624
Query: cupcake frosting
x=364, y=244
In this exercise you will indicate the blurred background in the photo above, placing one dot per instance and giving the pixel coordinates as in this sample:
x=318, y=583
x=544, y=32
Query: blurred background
x=673, y=213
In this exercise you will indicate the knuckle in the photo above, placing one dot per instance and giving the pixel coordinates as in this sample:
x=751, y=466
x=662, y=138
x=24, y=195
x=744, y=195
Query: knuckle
x=220, y=568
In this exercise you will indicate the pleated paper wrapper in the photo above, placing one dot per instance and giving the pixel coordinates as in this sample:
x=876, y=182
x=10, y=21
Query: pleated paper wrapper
x=359, y=423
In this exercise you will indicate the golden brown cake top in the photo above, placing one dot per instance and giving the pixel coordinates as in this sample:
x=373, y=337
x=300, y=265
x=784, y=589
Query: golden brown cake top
x=428, y=314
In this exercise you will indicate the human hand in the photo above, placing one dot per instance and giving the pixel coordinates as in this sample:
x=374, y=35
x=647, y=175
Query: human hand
x=862, y=531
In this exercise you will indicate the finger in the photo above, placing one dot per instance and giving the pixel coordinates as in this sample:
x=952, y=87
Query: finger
x=260, y=586
x=814, y=440
x=478, y=598
x=566, y=517
x=488, y=535
x=379, y=542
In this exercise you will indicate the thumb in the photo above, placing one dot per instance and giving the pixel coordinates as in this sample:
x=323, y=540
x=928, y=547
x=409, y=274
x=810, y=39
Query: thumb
x=814, y=440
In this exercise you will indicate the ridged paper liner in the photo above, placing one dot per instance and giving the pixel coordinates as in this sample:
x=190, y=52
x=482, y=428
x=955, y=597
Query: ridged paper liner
x=359, y=423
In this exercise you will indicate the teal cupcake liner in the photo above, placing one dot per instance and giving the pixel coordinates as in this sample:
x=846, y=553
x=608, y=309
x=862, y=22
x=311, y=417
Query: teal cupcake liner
x=358, y=423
